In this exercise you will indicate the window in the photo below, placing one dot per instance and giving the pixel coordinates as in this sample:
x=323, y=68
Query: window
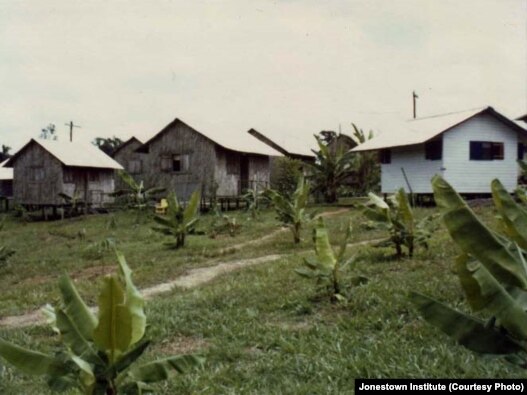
x=486, y=150
x=385, y=156
x=175, y=163
x=521, y=151
x=434, y=149
x=135, y=166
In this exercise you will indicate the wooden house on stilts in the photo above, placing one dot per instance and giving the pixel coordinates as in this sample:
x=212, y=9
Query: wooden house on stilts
x=218, y=163
x=44, y=169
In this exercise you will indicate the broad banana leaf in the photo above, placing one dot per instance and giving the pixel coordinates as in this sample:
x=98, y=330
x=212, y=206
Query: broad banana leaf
x=134, y=300
x=344, y=243
x=161, y=369
x=114, y=332
x=29, y=362
x=467, y=331
x=405, y=210
x=325, y=254
x=464, y=270
x=514, y=216
x=378, y=201
x=131, y=356
x=500, y=303
x=475, y=239
x=76, y=309
x=71, y=334
x=87, y=377
x=192, y=207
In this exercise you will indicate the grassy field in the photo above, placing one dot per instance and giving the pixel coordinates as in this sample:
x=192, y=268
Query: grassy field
x=263, y=329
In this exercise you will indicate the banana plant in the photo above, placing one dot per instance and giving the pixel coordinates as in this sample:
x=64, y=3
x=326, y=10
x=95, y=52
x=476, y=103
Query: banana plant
x=179, y=220
x=99, y=353
x=223, y=223
x=396, y=216
x=492, y=271
x=253, y=199
x=137, y=195
x=326, y=267
x=292, y=211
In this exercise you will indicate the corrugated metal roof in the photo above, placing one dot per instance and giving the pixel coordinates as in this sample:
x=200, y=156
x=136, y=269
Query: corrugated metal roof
x=415, y=131
x=226, y=134
x=77, y=154
x=5, y=172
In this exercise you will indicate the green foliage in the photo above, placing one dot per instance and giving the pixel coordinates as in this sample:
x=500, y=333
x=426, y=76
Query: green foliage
x=326, y=268
x=136, y=195
x=285, y=173
x=397, y=218
x=99, y=353
x=223, y=224
x=330, y=169
x=179, y=220
x=108, y=144
x=292, y=210
x=365, y=168
x=254, y=200
x=49, y=132
x=493, y=274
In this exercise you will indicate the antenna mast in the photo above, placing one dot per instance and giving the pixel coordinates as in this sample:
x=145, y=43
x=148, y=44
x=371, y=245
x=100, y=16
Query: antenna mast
x=71, y=125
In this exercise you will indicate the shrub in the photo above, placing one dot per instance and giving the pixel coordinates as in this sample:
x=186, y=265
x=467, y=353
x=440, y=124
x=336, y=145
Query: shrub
x=179, y=220
x=98, y=353
x=492, y=272
x=291, y=211
x=397, y=217
x=325, y=268
x=285, y=173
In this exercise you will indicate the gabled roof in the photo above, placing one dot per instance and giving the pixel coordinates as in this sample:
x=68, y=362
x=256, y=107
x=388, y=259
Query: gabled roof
x=292, y=144
x=226, y=137
x=420, y=130
x=5, y=172
x=126, y=143
x=76, y=154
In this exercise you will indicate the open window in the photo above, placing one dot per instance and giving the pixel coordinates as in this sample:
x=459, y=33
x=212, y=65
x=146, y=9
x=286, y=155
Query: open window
x=434, y=149
x=486, y=150
x=385, y=156
x=178, y=163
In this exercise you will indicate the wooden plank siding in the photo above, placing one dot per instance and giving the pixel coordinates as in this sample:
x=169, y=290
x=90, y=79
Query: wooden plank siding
x=179, y=139
x=39, y=178
x=204, y=164
x=132, y=161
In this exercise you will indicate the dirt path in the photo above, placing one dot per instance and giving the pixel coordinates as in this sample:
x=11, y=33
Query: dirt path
x=193, y=278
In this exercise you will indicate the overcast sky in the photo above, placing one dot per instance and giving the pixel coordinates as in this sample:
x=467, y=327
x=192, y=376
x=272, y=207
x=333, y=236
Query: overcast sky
x=124, y=67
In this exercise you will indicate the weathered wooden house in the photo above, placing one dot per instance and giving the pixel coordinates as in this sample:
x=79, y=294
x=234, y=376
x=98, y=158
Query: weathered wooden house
x=468, y=148
x=216, y=162
x=43, y=169
x=131, y=160
x=6, y=181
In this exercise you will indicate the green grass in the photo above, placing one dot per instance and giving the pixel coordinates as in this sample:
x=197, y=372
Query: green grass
x=263, y=329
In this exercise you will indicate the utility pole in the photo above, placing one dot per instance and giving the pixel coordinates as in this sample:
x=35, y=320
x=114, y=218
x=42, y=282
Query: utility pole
x=71, y=125
x=414, y=97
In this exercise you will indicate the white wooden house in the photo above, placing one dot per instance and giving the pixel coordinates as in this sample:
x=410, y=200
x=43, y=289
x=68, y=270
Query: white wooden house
x=468, y=149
